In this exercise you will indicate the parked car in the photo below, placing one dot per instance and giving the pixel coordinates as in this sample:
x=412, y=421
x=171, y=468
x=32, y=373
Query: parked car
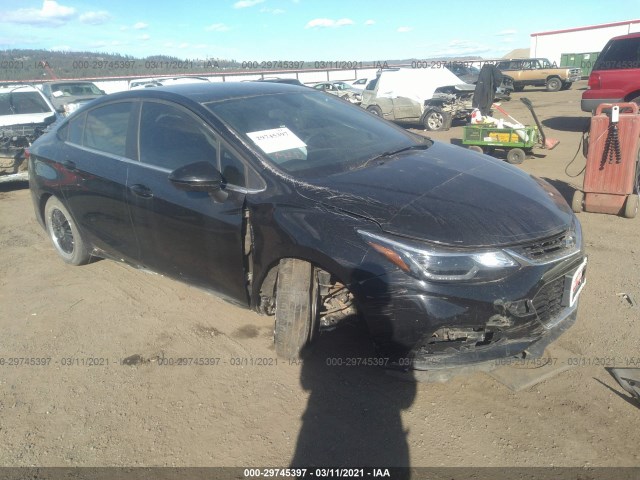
x=360, y=83
x=24, y=115
x=302, y=206
x=138, y=83
x=342, y=90
x=69, y=95
x=290, y=81
x=539, y=72
x=616, y=74
x=431, y=97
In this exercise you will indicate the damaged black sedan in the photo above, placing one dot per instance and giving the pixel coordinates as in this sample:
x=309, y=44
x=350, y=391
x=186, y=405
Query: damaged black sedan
x=298, y=205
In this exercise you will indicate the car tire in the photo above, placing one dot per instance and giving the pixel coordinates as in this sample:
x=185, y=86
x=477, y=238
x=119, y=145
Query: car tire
x=566, y=85
x=64, y=233
x=437, y=120
x=516, y=156
x=375, y=110
x=476, y=148
x=518, y=88
x=577, y=201
x=631, y=206
x=554, y=84
x=296, y=297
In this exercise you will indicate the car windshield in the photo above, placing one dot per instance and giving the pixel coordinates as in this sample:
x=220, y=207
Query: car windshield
x=311, y=134
x=16, y=103
x=75, y=89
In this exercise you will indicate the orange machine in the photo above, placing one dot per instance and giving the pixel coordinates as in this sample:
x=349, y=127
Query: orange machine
x=611, y=175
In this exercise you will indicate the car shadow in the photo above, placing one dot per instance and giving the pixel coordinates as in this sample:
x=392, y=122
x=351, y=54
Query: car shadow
x=13, y=186
x=568, y=124
x=353, y=415
x=565, y=189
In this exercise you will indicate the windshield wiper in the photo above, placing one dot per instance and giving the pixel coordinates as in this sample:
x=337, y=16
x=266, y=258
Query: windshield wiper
x=391, y=153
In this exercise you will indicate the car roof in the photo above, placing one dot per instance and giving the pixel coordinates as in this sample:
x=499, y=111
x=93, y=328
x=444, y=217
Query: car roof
x=208, y=92
x=66, y=81
x=13, y=88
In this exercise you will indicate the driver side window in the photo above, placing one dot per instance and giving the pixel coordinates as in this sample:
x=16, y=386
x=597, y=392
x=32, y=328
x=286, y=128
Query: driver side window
x=170, y=137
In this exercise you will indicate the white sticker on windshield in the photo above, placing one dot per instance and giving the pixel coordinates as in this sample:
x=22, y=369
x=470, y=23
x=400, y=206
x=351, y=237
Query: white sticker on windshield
x=276, y=140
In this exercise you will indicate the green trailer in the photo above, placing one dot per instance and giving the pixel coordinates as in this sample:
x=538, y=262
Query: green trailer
x=518, y=142
x=486, y=138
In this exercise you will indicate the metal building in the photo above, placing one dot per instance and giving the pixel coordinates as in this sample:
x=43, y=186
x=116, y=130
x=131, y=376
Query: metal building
x=578, y=46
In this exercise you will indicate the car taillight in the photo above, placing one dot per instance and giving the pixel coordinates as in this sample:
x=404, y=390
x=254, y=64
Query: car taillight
x=27, y=154
x=594, y=81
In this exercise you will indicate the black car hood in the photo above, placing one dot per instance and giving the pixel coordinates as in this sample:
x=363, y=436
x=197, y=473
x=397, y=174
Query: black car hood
x=448, y=195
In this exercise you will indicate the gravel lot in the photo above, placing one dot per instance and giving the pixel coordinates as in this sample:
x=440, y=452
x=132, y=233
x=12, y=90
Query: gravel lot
x=101, y=398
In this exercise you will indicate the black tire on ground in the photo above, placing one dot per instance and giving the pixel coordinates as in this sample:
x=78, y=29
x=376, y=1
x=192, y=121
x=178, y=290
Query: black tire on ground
x=437, y=120
x=64, y=233
x=294, y=308
x=566, y=86
x=375, y=110
x=518, y=88
x=476, y=148
x=631, y=206
x=516, y=156
x=554, y=84
x=577, y=201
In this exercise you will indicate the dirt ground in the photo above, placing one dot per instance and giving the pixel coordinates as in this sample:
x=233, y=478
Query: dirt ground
x=95, y=394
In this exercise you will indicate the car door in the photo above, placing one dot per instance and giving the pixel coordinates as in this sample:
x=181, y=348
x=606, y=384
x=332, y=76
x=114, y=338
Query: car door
x=192, y=236
x=95, y=159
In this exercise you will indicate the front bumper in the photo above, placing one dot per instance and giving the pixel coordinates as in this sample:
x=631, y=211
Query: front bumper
x=436, y=326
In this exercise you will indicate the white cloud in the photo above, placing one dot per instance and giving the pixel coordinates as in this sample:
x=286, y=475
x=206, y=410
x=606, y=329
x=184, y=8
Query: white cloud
x=506, y=32
x=404, y=29
x=140, y=25
x=462, y=47
x=370, y=22
x=218, y=27
x=144, y=37
x=95, y=18
x=246, y=3
x=52, y=14
x=273, y=11
x=328, y=23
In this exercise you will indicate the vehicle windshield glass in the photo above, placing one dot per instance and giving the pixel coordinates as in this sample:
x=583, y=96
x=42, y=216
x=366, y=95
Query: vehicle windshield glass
x=311, y=134
x=16, y=103
x=76, y=89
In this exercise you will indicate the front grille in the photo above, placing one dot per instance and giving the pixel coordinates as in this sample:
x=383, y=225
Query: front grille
x=548, y=249
x=548, y=300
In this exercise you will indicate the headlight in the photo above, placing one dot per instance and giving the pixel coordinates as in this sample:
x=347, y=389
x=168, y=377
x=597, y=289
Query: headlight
x=442, y=264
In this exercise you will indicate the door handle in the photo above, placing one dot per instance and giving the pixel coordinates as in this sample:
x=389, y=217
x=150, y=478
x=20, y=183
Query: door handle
x=141, y=191
x=69, y=165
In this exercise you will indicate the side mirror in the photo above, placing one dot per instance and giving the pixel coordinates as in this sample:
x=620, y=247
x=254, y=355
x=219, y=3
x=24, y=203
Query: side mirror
x=197, y=177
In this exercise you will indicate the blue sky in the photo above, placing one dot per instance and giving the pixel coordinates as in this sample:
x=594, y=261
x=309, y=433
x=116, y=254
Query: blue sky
x=328, y=30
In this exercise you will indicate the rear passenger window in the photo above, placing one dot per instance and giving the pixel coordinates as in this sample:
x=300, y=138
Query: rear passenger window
x=106, y=128
x=171, y=138
x=621, y=54
x=76, y=129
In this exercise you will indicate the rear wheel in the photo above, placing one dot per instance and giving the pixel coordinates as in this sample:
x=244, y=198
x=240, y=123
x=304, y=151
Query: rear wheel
x=554, y=84
x=64, y=233
x=577, y=201
x=516, y=156
x=296, y=301
x=518, y=88
x=476, y=148
x=375, y=110
x=631, y=206
x=437, y=120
